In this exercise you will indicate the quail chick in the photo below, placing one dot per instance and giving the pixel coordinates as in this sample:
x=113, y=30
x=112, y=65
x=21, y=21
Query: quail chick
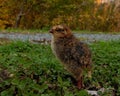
x=73, y=54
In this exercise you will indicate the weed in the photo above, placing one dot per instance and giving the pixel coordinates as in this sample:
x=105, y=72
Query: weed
x=34, y=71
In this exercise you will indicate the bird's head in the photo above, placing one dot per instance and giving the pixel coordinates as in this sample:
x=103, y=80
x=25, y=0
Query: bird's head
x=59, y=31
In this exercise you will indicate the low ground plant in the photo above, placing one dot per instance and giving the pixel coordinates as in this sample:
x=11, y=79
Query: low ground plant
x=32, y=70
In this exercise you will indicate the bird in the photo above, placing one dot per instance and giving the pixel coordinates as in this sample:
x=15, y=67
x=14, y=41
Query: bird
x=74, y=54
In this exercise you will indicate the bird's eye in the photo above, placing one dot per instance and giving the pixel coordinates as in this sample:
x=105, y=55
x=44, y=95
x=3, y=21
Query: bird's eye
x=59, y=30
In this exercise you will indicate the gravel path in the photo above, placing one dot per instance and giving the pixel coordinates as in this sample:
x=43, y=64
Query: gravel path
x=47, y=37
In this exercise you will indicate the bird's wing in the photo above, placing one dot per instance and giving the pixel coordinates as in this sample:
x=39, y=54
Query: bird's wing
x=81, y=54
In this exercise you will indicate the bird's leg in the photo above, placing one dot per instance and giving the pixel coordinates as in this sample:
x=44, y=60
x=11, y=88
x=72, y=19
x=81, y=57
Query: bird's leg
x=80, y=83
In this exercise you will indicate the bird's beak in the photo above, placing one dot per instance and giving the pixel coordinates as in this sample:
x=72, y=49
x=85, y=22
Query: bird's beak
x=50, y=31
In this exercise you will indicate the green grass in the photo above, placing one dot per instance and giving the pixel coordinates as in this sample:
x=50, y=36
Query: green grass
x=32, y=70
x=46, y=30
x=24, y=31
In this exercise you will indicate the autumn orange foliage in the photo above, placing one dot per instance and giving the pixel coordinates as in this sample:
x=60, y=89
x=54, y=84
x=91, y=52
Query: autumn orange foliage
x=78, y=14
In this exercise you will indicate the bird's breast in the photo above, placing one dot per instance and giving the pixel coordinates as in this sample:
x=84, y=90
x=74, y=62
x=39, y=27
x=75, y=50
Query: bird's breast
x=61, y=51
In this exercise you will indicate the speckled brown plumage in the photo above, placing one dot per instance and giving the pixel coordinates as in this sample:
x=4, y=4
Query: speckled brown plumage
x=73, y=54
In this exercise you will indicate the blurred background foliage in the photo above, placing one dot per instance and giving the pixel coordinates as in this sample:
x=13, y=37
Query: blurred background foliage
x=78, y=14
